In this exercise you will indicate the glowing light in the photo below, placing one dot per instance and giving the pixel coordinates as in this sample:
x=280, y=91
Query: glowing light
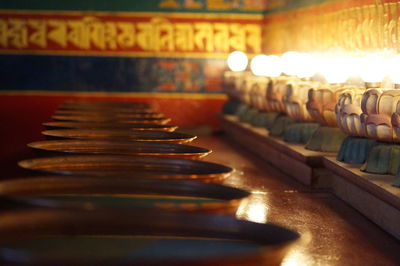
x=306, y=66
x=237, y=61
x=373, y=68
x=274, y=66
x=270, y=66
x=258, y=63
x=394, y=69
x=299, y=64
x=335, y=69
x=290, y=60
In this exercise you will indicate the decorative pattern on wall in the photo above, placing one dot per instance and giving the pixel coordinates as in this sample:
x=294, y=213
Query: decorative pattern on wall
x=351, y=25
x=129, y=34
x=176, y=46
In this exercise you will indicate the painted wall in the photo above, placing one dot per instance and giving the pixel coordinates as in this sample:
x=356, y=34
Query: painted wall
x=169, y=53
x=145, y=46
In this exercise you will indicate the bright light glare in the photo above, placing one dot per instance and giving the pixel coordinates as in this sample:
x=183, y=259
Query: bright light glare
x=290, y=61
x=335, y=69
x=272, y=66
x=306, y=66
x=263, y=65
x=257, y=64
x=299, y=64
x=237, y=61
x=394, y=69
x=373, y=68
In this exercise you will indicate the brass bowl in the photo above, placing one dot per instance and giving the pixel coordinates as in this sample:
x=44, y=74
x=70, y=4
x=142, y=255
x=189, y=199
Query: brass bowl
x=126, y=135
x=109, y=114
x=95, y=192
x=105, y=106
x=129, y=166
x=94, y=125
x=156, y=237
x=100, y=104
x=101, y=118
x=139, y=148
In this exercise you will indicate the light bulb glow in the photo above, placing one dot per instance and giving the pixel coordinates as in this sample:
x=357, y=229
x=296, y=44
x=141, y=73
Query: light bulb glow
x=299, y=64
x=306, y=66
x=257, y=64
x=373, y=68
x=394, y=69
x=237, y=61
x=290, y=61
x=272, y=66
x=334, y=69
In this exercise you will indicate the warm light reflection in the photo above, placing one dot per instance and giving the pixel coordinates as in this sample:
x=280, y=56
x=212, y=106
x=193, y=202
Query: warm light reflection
x=254, y=208
x=237, y=61
x=298, y=254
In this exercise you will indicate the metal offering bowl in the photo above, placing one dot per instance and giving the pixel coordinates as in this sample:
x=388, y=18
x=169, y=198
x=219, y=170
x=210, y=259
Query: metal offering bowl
x=139, y=148
x=103, y=118
x=108, y=104
x=95, y=192
x=109, y=114
x=126, y=135
x=94, y=125
x=79, y=237
x=129, y=166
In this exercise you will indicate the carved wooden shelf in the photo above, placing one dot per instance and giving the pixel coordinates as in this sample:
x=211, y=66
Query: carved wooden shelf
x=371, y=194
x=293, y=159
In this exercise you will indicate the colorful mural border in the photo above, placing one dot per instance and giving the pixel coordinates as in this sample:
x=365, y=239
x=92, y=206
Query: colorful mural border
x=129, y=34
x=190, y=6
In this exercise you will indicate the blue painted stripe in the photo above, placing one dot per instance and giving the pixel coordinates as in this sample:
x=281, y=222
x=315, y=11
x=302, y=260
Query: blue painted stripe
x=108, y=74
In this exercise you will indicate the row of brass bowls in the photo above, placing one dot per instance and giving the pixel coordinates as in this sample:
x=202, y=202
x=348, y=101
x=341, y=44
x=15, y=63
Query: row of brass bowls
x=109, y=125
x=96, y=192
x=146, y=237
x=115, y=147
x=119, y=134
x=106, y=119
x=92, y=105
x=120, y=206
x=129, y=166
x=108, y=114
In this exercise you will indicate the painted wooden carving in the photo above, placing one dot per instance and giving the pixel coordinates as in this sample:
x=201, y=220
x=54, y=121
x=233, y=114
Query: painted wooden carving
x=321, y=104
x=229, y=83
x=275, y=93
x=348, y=112
x=379, y=114
x=296, y=98
x=244, y=85
x=258, y=93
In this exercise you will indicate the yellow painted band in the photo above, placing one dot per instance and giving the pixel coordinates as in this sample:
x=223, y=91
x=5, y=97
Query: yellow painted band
x=230, y=16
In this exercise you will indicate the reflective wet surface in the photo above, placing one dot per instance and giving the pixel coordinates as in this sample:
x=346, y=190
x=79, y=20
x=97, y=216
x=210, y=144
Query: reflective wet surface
x=332, y=232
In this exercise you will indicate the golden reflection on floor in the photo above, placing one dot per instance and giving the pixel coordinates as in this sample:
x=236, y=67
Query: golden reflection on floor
x=254, y=208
